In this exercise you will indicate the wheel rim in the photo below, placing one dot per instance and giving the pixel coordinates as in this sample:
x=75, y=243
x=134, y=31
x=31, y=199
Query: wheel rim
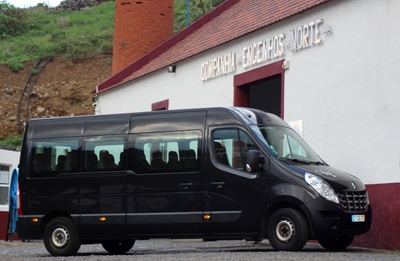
x=60, y=237
x=285, y=230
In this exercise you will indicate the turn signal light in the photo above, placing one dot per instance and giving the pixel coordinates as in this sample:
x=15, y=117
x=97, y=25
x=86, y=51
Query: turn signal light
x=103, y=218
x=207, y=216
x=35, y=220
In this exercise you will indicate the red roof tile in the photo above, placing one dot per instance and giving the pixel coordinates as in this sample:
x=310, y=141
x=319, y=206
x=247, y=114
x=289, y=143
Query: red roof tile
x=229, y=21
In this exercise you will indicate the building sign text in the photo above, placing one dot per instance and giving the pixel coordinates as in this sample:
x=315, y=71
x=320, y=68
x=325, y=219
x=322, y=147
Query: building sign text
x=219, y=66
x=304, y=36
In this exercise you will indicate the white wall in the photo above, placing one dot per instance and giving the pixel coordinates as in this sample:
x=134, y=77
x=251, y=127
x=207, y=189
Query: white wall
x=8, y=158
x=184, y=89
x=344, y=89
x=348, y=88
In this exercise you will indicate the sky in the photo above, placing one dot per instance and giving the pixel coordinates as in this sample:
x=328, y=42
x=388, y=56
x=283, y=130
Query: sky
x=28, y=3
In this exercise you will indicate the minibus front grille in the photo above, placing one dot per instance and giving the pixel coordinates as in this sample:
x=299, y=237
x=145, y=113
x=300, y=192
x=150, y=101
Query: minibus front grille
x=353, y=200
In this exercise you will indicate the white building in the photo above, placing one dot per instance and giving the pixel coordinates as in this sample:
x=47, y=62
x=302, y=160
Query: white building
x=328, y=67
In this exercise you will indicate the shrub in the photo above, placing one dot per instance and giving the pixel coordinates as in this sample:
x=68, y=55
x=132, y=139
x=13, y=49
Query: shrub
x=15, y=67
x=12, y=20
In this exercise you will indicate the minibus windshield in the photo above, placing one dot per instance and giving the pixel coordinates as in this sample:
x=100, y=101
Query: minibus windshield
x=286, y=144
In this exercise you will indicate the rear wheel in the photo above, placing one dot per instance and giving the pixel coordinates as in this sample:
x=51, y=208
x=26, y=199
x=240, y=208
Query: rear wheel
x=336, y=243
x=117, y=247
x=287, y=230
x=61, y=237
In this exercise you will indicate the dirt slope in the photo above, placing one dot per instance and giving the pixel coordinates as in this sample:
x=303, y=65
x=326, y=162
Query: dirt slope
x=63, y=88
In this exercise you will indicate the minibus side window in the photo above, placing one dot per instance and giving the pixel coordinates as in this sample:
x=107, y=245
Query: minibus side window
x=231, y=147
x=104, y=153
x=51, y=157
x=164, y=152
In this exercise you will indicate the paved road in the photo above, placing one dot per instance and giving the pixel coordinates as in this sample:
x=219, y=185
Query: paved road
x=166, y=250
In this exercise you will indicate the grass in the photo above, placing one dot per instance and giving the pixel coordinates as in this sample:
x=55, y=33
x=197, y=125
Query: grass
x=76, y=34
x=61, y=33
x=11, y=142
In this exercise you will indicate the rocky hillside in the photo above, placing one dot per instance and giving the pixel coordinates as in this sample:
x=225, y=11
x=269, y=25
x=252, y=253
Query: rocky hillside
x=63, y=88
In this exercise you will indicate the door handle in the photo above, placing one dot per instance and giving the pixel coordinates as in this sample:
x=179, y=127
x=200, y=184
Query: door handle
x=185, y=185
x=217, y=184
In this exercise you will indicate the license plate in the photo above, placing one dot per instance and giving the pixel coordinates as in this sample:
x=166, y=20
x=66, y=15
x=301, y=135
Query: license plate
x=357, y=218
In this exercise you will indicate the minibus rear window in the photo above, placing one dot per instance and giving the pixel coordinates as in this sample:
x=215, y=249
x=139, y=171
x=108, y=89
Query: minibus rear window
x=51, y=157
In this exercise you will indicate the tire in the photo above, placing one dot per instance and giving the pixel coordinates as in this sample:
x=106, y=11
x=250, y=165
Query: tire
x=336, y=244
x=118, y=247
x=61, y=237
x=287, y=230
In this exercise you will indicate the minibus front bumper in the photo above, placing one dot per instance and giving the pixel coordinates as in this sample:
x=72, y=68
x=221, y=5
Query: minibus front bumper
x=329, y=220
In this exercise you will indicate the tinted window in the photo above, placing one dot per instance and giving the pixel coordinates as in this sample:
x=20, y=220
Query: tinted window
x=165, y=152
x=52, y=157
x=231, y=147
x=104, y=153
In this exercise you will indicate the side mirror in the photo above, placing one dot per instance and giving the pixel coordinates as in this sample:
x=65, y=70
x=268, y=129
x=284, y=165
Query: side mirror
x=254, y=161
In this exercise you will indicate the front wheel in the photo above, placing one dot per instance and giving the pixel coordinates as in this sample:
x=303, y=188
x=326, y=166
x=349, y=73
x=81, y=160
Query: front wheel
x=336, y=243
x=287, y=230
x=61, y=237
x=117, y=247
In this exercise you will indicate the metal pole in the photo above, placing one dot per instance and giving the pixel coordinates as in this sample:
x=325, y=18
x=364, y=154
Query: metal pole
x=187, y=13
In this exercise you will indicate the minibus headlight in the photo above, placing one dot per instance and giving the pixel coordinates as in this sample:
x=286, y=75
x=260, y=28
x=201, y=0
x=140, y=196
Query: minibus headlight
x=322, y=187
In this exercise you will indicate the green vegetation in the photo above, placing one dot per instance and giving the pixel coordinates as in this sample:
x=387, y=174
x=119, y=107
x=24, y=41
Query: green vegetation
x=197, y=9
x=33, y=33
x=12, y=20
x=11, y=142
x=30, y=34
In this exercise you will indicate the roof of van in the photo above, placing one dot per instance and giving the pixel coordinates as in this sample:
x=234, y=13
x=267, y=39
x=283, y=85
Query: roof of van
x=241, y=110
x=248, y=115
x=231, y=20
x=147, y=122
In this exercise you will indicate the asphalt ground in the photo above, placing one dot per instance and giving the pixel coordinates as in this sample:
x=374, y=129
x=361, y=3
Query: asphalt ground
x=162, y=249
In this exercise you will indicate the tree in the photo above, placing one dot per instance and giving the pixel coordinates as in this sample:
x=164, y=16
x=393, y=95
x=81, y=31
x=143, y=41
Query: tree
x=12, y=20
x=197, y=9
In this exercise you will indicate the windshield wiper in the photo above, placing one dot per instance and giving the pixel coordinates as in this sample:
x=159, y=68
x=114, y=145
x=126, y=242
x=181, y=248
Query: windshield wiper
x=296, y=160
x=317, y=162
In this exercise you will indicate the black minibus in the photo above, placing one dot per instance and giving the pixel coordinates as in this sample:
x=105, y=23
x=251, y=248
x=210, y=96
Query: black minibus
x=212, y=173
